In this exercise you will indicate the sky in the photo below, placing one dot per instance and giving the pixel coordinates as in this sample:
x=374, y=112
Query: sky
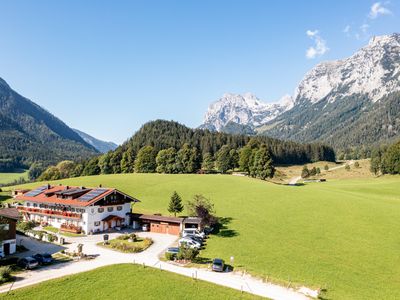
x=108, y=67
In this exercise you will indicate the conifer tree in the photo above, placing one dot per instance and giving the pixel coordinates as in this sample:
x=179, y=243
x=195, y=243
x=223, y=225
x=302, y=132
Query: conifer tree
x=175, y=204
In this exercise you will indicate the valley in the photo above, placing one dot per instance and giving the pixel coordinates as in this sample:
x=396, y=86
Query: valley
x=318, y=234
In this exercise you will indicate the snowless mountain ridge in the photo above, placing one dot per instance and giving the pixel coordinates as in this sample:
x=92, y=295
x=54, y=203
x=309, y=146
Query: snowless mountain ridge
x=373, y=71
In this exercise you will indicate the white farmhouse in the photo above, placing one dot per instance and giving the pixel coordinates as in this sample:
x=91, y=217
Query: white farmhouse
x=76, y=209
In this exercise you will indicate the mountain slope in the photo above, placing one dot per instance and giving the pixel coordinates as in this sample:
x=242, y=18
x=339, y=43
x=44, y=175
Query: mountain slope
x=100, y=145
x=344, y=103
x=28, y=133
x=349, y=102
x=243, y=112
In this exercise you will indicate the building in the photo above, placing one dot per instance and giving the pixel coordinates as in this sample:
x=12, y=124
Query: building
x=76, y=209
x=164, y=224
x=8, y=225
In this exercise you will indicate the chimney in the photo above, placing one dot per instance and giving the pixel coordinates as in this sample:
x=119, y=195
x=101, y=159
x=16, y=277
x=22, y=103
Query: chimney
x=100, y=185
x=48, y=186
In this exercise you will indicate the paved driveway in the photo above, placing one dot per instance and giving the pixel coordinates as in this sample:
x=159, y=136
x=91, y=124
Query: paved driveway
x=149, y=257
x=35, y=246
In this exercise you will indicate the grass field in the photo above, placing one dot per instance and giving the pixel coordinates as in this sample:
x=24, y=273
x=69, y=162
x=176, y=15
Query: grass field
x=342, y=235
x=10, y=177
x=126, y=282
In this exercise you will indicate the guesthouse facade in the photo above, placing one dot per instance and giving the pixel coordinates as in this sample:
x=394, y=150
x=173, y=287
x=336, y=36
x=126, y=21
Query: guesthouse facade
x=76, y=209
x=8, y=224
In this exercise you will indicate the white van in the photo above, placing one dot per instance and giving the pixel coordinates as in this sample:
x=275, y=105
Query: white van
x=193, y=231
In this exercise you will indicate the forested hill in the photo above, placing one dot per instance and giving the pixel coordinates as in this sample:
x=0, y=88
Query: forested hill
x=164, y=134
x=169, y=147
x=29, y=133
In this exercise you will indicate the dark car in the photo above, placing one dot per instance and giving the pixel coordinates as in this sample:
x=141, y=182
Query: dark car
x=28, y=263
x=218, y=265
x=44, y=258
x=173, y=250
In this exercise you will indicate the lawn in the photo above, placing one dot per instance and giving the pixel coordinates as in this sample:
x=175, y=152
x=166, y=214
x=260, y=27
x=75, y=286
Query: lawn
x=127, y=246
x=342, y=235
x=126, y=281
x=11, y=177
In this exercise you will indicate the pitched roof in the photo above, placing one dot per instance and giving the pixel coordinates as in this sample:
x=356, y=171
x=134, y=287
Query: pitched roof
x=69, y=195
x=158, y=218
x=111, y=217
x=10, y=213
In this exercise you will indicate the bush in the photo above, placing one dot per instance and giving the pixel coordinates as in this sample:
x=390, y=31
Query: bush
x=5, y=273
x=186, y=253
x=25, y=226
x=52, y=237
x=133, y=237
x=169, y=256
x=326, y=168
x=357, y=164
x=347, y=167
x=123, y=237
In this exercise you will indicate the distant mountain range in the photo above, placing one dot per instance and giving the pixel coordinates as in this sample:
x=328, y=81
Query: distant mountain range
x=349, y=102
x=29, y=133
x=101, y=146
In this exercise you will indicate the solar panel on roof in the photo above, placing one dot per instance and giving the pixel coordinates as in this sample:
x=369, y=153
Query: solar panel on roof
x=92, y=194
x=36, y=191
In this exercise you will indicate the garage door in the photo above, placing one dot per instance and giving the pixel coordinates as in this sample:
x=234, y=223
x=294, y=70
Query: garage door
x=166, y=228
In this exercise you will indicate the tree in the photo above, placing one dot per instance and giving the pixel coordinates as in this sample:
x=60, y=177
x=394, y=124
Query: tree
x=202, y=207
x=347, y=167
x=313, y=171
x=223, y=159
x=376, y=161
x=305, y=172
x=51, y=173
x=245, y=158
x=104, y=163
x=91, y=168
x=262, y=164
x=166, y=161
x=35, y=170
x=187, y=159
x=318, y=171
x=175, y=204
x=356, y=164
x=208, y=162
x=127, y=161
x=234, y=157
x=326, y=168
x=145, y=161
x=391, y=160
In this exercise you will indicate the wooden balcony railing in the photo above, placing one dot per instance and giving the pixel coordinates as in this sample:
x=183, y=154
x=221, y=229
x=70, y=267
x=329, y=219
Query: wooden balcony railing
x=70, y=228
x=49, y=212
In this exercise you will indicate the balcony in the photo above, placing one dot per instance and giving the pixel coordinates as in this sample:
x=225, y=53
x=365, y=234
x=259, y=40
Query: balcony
x=70, y=228
x=49, y=212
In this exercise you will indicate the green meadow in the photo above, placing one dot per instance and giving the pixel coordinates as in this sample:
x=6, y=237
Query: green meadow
x=11, y=177
x=126, y=281
x=341, y=235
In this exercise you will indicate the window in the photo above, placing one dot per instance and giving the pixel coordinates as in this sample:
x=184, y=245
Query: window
x=100, y=210
x=97, y=223
x=110, y=209
x=119, y=207
x=4, y=226
x=34, y=205
x=28, y=204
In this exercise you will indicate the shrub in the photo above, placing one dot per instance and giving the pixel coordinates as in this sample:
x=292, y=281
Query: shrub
x=25, y=226
x=169, y=256
x=123, y=237
x=347, y=167
x=187, y=253
x=357, y=164
x=133, y=237
x=326, y=168
x=5, y=273
x=52, y=237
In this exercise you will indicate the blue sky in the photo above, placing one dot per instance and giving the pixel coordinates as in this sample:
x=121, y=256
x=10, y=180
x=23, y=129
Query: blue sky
x=107, y=67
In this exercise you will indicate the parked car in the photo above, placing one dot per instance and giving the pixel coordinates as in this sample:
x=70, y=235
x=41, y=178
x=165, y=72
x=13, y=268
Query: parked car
x=173, y=250
x=190, y=243
x=193, y=231
x=218, y=265
x=145, y=227
x=43, y=258
x=194, y=238
x=28, y=263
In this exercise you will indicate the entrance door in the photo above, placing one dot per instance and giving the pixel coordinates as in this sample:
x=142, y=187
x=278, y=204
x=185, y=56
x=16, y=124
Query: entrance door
x=6, y=248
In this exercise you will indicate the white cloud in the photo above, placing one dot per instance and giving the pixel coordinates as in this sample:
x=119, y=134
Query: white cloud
x=319, y=48
x=364, y=28
x=347, y=29
x=377, y=9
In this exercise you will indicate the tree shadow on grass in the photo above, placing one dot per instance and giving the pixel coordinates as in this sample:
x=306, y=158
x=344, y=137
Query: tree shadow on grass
x=222, y=229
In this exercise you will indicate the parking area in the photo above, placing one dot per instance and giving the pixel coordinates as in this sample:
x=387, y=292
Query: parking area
x=36, y=246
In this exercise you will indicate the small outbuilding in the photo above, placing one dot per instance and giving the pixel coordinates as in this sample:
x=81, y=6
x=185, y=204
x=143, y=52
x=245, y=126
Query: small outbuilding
x=8, y=224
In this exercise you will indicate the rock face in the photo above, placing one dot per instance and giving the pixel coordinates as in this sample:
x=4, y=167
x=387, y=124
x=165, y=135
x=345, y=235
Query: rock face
x=245, y=110
x=348, y=102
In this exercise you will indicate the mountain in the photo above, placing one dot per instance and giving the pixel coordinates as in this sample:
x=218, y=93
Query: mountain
x=344, y=103
x=243, y=112
x=29, y=133
x=100, y=145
